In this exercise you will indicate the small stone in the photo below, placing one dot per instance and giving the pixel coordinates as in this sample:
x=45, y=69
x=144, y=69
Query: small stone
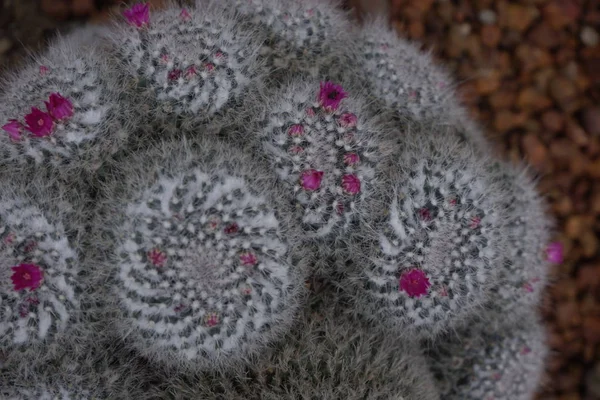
x=560, y=13
x=589, y=37
x=491, y=35
x=574, y=226
x=544, y=36
x=536, y=150
x=591, y=329
x=502, y=99
x=591, y=120
x=488, y=81
x=519, y=17
x=83, y=7
x=588, y=277
x=562, y=90
x=416, y=29
x=531, y=99
x=553, y=121
x=589, y=243
x=576, y=133
x=5, y=45
x=487, y=17
x=58, y=9
x=567, y=314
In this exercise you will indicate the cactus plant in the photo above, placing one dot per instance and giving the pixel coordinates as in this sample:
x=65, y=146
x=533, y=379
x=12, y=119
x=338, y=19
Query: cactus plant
x=62, y=110
x=486, y=364
x=202, y=264
x=435, y=248
x=173, y=191
x=325, y=146
x=197, y=62
x=40, y=287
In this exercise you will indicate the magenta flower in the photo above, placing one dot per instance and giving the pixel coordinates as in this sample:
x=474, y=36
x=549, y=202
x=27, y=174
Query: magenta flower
x=554, y=252
x=212, y=319
x=351, y=158
x=232, y=229
x=310, y=112
x=528, y=287
x=191, y=71
x=185, y=15
x=296, y=150
x=425, y=214
x=331, y=95
x=27, y=276
x=14, y=129
x=59, y=107
x=348, y=120
x=138, y=14
x=311, y=179
x=44, y=70
x=414, y=282
x=157, y=257
x=209, y=66
x=39, y=123
x=248, y=258
x=296, y=130
x=351, y=184
x=174, y=74
x=475, y=221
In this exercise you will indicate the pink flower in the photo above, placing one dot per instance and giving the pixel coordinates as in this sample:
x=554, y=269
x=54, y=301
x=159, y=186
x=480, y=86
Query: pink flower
x=310, y=112
x=43, y=70
x=212, y=319
x=174, y=74
x=246, y=290
x=475, y=221
x=138, y=14
x=528, y=287
x=248, y=258
x=348, y=120
x=340, y=209
x=554, y=252
x=525, y=350
x=191, y=71
x=185, y=15
x=425, y=214
x=311, y=179
x=351, y=184
x=209, y=67
x=14, y=129
x=414, y=282
x=351, y=158
x=157, y=257
x=331, y=95
x=232, y=229
x=296, y=130
x=39, y=123
x=27, y=276
x=59, y=107
x=296, y=150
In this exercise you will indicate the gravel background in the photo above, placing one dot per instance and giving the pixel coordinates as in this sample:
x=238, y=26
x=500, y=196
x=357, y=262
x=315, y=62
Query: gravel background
x=530, y=72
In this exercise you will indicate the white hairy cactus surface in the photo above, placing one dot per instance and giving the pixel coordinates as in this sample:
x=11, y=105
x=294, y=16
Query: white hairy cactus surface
x=196, y=61
x=39, y=288
x=524, y=273
x=325, y=147
x=428, y=260
x=328, y=357
x=308, y=37
x=82, y=125
x=482, y=364
x=204, y=272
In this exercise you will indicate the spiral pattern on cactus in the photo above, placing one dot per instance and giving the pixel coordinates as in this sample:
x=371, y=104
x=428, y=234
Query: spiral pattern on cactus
x=485, y=365
x=39, y=288
x=203, y=270
x=194, y=61
x=437, y=245
x=325, y=149
x=80, y=128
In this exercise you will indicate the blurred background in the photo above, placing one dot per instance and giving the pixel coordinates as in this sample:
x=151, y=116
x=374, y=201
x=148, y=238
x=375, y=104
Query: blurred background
x=529, y=71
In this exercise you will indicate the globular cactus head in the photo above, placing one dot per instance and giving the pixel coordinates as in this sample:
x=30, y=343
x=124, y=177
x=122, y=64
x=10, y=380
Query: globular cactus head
x=325, y=147
x=427, y=260
x=62, y=111
x=190, y=62
x=523, y=275
x=204, y=263
x=329, y=356
x=40, y=255
x=483, y=364
x=308, y=37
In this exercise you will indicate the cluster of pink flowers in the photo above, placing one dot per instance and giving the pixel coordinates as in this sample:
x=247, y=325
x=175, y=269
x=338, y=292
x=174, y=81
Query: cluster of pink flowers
x=138, y=15
x=41, y=123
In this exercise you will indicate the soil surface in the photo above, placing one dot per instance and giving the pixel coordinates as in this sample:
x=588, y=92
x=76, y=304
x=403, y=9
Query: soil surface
x=530, y=72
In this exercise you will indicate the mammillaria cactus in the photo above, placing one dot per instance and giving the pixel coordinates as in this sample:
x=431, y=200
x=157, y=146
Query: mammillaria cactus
x=40, y=290
x=331, y=357
x=196, y=61
x=203, y=268
x=325, y=146
x=62, y=110
x=484, y=364
x=435, y=248
x=303, y=154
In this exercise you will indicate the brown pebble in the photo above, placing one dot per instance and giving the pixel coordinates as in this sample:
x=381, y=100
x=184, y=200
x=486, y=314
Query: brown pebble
x=591, y=329
x=562, y=90
x=82, y=8
x=576, y=133
x=519, y=17
x=591, y=120
x=535, y=150
x=58, y=9
x=502, y=99
x=544, y=36
x=531, y=99
x=553, y=120
x=588, y=277
x=567, y=314
x=490, y=35
x=488, y=81
x=574, y=226
x=589, y=243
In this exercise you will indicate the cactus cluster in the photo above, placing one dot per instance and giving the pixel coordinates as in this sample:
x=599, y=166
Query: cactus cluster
x=258, y=199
